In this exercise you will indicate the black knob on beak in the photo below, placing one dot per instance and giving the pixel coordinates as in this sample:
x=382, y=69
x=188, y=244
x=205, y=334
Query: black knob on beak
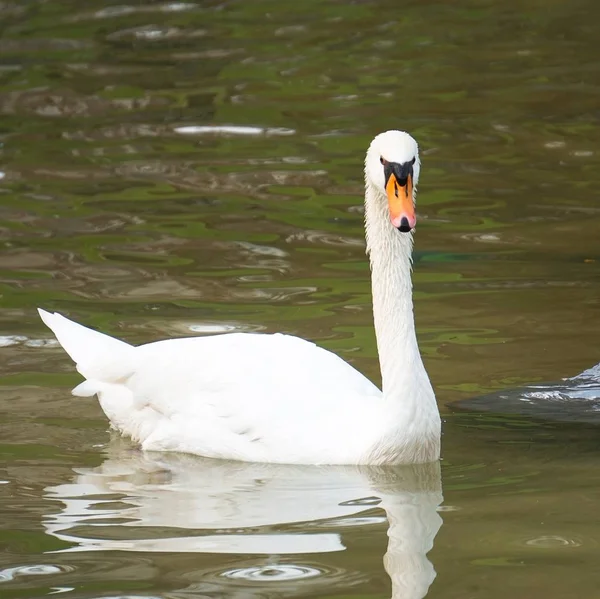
x=404, y=226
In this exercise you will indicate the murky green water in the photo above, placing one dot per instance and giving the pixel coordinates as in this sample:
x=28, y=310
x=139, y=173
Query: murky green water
x=121, y=209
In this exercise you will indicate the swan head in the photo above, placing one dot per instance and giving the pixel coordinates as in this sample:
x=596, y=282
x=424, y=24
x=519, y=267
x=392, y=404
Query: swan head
x=392, y=168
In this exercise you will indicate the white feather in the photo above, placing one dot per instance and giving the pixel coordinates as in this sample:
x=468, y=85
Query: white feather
x=278, y=398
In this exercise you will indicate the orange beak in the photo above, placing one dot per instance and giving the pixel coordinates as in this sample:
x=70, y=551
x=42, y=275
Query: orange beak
x=400, y=200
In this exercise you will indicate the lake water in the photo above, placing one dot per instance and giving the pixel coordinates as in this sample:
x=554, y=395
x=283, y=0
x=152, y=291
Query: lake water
x=169, y=169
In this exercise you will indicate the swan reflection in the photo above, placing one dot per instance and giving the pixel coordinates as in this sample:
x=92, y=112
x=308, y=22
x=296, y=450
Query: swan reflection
x=172, y=503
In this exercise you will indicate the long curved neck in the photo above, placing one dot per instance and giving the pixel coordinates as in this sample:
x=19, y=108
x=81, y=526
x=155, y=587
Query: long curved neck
x=390, y=256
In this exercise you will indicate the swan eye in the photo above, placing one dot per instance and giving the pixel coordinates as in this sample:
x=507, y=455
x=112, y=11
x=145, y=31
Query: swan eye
x=382, y=160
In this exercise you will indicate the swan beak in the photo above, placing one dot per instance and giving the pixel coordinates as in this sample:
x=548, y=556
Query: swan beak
x=400, y=200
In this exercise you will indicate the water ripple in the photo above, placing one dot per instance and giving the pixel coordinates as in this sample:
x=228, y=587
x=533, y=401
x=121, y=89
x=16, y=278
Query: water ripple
x=9, y=574
x=10, y=340
x=232, y=130
x=552, y=542
x=273, y=573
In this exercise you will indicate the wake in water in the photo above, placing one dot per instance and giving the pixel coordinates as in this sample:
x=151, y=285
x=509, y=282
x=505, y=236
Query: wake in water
x=575, y=399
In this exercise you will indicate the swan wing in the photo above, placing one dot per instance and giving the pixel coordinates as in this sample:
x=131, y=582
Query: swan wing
x=252, y=397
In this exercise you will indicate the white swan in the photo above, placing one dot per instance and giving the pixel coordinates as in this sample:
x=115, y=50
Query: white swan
x=279, y=398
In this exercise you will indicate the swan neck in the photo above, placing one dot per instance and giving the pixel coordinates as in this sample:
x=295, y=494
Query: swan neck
x=390, y=255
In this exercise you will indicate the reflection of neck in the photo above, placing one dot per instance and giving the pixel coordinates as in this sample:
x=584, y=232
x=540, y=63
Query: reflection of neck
x=413, y=524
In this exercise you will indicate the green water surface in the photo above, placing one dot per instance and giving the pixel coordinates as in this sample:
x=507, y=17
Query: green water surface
x=120, y=208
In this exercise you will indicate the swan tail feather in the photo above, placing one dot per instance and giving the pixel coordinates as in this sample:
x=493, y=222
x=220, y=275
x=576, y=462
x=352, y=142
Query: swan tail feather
x=98, y=357
x=86, y=389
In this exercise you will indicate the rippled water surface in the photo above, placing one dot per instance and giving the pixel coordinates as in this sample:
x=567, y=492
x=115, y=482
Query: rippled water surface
x=182, y=168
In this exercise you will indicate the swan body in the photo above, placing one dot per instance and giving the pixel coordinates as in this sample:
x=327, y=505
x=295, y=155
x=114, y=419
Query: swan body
x=278, y=398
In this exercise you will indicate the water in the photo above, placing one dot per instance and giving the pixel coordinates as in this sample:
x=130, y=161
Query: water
x=573, y=399
x=187, y=168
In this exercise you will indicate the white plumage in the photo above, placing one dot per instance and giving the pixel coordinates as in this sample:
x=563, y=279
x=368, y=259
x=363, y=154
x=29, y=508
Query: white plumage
x=279, y=398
